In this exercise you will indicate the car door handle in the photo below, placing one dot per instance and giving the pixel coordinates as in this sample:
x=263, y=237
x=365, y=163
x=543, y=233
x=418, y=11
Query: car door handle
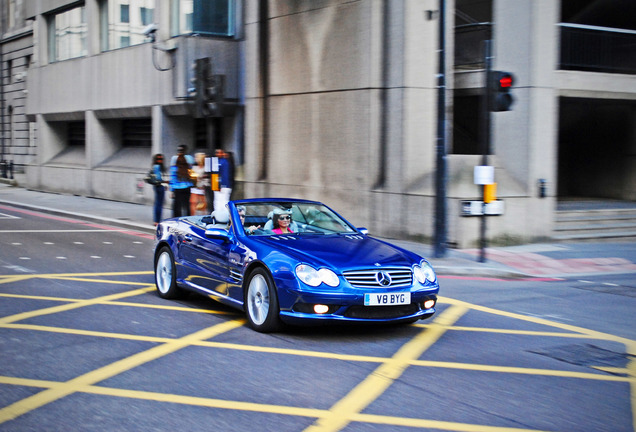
x=187, y=238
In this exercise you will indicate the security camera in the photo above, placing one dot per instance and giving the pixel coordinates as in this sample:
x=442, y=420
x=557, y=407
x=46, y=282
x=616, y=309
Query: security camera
x=150, y=30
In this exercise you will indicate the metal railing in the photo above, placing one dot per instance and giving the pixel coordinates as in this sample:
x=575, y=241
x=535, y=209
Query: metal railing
x=583, y=47
x=597, y=49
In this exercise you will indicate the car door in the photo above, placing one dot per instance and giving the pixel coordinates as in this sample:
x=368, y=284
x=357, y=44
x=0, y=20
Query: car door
x=207, y=259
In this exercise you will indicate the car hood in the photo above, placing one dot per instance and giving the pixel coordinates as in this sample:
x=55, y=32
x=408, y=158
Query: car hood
x=340, y=251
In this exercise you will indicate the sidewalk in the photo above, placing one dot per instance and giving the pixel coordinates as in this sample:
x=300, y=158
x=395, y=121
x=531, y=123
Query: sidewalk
x=534, y=260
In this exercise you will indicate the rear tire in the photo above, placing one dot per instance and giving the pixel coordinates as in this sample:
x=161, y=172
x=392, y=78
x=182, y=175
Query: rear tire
x=166, y=274
x=261, y=302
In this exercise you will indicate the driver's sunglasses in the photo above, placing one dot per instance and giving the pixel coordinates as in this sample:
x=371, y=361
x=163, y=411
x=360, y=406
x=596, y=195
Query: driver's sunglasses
x=284, y=217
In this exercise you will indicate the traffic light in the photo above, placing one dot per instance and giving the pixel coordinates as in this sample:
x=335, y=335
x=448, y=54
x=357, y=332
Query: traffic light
x=214, y=95
x=201, y=68
x=499, y=86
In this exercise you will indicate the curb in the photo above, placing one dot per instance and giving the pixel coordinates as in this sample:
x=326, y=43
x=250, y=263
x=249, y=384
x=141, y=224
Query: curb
x=10, y=182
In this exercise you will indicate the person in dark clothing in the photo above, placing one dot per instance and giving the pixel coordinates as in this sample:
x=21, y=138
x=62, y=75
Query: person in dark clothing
x=180, y=182
x=159, y=186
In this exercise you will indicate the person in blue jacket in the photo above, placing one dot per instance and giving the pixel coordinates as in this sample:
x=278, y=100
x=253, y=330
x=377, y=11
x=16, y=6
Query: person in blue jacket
x=181, y=182
x=158, y=185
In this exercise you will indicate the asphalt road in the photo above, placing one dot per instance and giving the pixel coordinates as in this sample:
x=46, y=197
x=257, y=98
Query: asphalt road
x=86, y=344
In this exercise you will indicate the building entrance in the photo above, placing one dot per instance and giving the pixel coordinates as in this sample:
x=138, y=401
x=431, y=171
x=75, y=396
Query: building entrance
x=597, y=149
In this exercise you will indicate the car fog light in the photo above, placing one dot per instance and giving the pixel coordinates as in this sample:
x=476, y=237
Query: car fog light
x=429, y=304
x=321, y=309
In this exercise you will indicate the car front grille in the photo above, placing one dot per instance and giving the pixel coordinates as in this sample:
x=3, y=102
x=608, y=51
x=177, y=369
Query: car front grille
x=382, y=312
x=379, y=278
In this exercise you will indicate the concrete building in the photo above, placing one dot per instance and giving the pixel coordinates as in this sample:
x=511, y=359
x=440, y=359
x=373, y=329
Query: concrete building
x=332, y=100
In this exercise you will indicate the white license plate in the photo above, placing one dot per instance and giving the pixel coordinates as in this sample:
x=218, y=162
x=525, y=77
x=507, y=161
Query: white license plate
x=387, y=299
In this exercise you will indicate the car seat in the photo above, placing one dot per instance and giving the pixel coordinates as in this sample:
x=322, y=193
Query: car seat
x=220, y=219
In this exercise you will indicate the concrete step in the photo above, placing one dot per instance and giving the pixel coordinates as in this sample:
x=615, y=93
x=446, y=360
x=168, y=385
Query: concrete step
x=595, y=236
x=595, y=224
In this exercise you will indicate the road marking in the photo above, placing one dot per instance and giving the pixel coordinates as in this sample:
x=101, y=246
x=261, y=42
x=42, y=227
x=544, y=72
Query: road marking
x=81, y=382
x=18, y=268
x=394, y=365
x=71, y=306
x=263, y=408
x=64, y=231
x=567, y=327
x=384, y=375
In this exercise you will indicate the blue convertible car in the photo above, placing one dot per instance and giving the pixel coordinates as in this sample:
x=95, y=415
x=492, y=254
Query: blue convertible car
x=292, y=261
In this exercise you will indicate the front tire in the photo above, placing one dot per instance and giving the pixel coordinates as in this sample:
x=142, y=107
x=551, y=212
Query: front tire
x=166, y=274
x=261, y=302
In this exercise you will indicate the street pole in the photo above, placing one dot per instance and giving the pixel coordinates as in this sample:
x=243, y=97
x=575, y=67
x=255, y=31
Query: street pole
x=440, y=174
x=485, y=144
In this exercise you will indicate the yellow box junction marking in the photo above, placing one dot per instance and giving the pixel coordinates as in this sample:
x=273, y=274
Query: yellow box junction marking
x=342, y=413
x=381, y=378
x=81, y=382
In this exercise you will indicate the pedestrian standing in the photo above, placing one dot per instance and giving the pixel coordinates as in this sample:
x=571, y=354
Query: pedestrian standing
x=201, y=182
x=226, y=179
x=158, y=171
x=181, y=181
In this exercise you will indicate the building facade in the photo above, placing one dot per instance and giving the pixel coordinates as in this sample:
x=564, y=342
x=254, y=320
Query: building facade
x=331, y=100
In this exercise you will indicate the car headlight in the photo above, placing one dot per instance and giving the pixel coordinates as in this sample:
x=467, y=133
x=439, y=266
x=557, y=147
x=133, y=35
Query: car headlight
x=313, y=277
x=424, y=272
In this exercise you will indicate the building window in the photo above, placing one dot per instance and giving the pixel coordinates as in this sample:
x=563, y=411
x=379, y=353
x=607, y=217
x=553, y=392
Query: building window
x=124, y=13
x=466, y=129
x=136, y=132
x=205, y=17
x=67, y=34
x=76, y=133
x=123, y=22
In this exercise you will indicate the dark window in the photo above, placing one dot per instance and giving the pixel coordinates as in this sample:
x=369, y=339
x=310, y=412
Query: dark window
x=200, y=134
x=466, y=124
x=136, y=133
x=76, y=133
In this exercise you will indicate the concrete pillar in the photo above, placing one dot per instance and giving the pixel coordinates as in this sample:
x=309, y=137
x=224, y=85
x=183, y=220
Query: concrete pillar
x=525, y=139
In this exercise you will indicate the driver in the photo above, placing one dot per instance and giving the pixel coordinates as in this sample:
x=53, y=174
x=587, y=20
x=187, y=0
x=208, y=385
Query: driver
x=248, y=229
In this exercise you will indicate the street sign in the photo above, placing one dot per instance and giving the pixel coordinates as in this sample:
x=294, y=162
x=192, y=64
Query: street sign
x=476, y=208
x=484, y=174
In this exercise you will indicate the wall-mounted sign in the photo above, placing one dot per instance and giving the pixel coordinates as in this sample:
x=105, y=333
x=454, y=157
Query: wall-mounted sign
x=476, y=208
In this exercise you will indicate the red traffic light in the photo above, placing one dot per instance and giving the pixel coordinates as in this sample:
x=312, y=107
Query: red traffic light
x=499, y=91
x=505, y=81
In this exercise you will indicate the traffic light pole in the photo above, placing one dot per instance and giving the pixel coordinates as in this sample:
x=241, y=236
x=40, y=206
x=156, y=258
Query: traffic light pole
x=440, y=172
x=485, y=143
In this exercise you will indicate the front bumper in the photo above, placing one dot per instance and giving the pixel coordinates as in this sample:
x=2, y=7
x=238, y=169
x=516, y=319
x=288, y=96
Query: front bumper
x=303, y=311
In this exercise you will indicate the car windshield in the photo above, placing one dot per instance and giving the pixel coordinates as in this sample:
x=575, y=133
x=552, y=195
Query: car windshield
x=274, y=218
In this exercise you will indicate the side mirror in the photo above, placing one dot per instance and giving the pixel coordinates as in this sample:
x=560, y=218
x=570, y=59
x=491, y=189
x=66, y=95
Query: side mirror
x=218, y=234
x=363, y=230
